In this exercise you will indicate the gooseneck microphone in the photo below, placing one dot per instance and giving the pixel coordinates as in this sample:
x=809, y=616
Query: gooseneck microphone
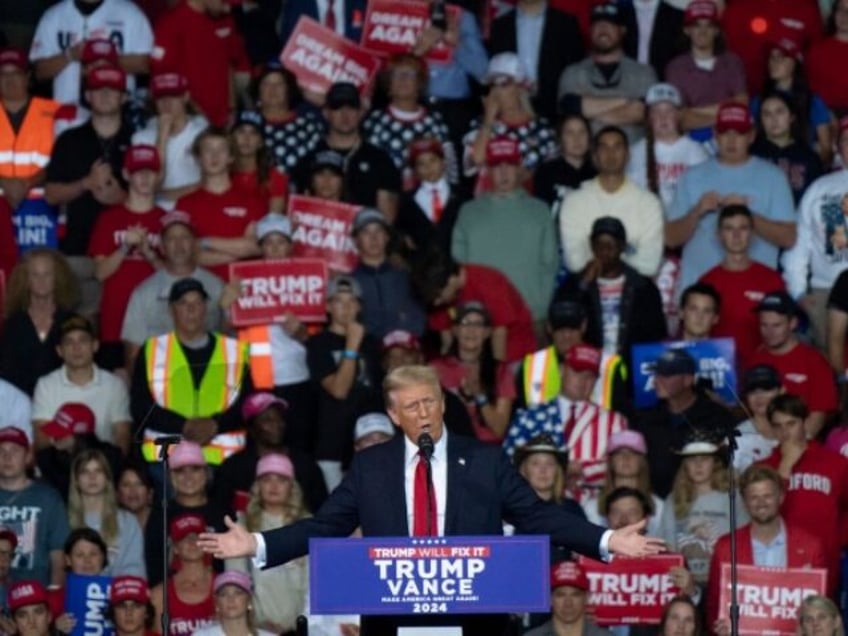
x=426, y=446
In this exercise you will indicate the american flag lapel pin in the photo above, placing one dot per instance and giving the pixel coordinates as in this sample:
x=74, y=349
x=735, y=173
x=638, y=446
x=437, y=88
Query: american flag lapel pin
x=461, y=461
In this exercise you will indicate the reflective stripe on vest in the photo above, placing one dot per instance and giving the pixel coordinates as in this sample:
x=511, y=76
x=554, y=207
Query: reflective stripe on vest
x=258, y=339
x=541, y=376
x=611, y=365
x=27, y=151
x=215, y=452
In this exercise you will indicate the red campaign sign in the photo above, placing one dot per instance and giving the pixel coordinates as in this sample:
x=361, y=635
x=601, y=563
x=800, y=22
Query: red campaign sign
x=319, y=57
x=270, y=289
x=769, y=598
x=393, y=27
x=322, y=230
x=630, y=591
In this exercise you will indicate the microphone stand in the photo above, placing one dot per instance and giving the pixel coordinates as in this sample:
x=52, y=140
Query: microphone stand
x=164, y=443
x=731, y=434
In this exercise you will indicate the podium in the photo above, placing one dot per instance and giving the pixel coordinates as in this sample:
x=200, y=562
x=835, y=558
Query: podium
x=435, y=576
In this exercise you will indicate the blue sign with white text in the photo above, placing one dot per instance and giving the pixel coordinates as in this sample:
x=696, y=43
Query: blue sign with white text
x=36, y=225
x=86, y=597
x=430, y=575
x=716, y=360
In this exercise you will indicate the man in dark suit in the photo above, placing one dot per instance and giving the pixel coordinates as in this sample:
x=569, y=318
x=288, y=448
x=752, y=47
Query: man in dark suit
x=546, y=40
x=345, y=17
x=665, y=39
x=484, y=491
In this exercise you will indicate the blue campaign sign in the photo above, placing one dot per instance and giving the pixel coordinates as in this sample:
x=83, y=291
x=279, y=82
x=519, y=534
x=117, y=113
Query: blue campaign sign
x=36, y=224
x=716, y=360
x=86, y=597
x=438, y=575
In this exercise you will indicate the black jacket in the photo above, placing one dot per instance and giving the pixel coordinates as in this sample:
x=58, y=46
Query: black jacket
x=667, y=39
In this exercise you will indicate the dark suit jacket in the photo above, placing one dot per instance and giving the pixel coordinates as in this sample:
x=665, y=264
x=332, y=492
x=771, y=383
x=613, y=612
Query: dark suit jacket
x=667, y=39
x=293, y=9
x=561, y=45
x=483, y=489
x=414, y=223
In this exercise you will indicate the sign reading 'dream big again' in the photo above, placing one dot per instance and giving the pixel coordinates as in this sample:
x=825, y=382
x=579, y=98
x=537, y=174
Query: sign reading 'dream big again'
x=439, y=575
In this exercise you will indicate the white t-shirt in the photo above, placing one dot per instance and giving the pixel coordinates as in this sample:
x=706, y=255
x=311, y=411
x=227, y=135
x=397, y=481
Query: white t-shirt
x=17, y=408
x=610, y=292
x=181, y=168
x=672, y=161
x=752, y=447
x=62, y=26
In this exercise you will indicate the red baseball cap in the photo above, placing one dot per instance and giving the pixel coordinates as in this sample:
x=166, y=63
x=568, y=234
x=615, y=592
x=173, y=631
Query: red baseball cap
x=569, y=573
x=700, y=10
x=582, y=357
x=402, y=339
x=7, y=534
x=14, y=56
x=733, y=116
x=25, y=593
x=789, y=47
x=175, y=217
x=503, y=150
x=99, y=49
x=106, y=77
x=129, y=588
x=423, y=145
x=142, y=157
x=72, y=418
x=185, y=525
x=14, y=435
x=168, y=84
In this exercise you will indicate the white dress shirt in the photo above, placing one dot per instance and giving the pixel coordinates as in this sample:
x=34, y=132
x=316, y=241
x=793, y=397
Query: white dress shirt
x=646, y=12
x=338, y=9
x=424, y=196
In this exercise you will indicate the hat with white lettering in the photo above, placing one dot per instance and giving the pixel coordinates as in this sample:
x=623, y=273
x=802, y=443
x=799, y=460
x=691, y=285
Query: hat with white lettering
x=583, y=357
x=570, y=574
x=186, y=525
x=168, y=85
x=184, y=286
x=273, y=222
x=99, y=49
x=25, y=593
x=343, y=284
x=14, y=56
x=327, y=160
x=663, y=92
x=142, y=157
x=778, y=301
x=401, y=339
x=7, y=534
x=257, y=403
x=106, y=77
x=249, y=118
x=373, y=423
x=128, y=588
x=607, y=12
x=233, y=577
x=14, y=435
x=733, y=116
x=275, y=464
x=789, y=47
x=700, y=10
x=175, y=217
x=72, y=418
x=186, y=453
x=503, y=150
x=367, y=216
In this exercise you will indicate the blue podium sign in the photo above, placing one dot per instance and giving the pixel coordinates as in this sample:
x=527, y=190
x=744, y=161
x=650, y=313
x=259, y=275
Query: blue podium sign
x=716, y=360
x=438, y=575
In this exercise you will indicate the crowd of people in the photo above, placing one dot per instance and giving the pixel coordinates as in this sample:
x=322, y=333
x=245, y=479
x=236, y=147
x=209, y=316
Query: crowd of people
x=576, y=179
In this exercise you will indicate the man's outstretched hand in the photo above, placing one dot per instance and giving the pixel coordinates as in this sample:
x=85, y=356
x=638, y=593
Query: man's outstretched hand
x=630, y=541
x=235, y=542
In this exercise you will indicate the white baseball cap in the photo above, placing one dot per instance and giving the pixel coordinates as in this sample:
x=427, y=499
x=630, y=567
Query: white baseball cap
x=505, y=65
x=663, y=93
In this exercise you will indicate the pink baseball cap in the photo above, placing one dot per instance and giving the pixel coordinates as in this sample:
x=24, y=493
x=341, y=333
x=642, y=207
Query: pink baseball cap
x=582, y=357
x=25, y=593
x=630, y=439
x=257, y=403
x=733, y=116
x=233, y=577
x=186, y=453
x=129, y=588
x=72, y=418
x=275, y=464
x=14, y=435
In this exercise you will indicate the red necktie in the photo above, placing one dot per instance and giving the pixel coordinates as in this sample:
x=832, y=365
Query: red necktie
x=437, y=205
x=330, y=16
x=570, y=423
x=419, y=501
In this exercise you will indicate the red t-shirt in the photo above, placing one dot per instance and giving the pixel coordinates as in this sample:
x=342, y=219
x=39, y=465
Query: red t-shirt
x=107, y=236
x=826, y=65
x=205, y=50
x=451, y=374
x=805, y=372
x=248, y=183
x=224, y=215
x=749, y=25
x=740, y=293
x=506, y=307
x=817, y=497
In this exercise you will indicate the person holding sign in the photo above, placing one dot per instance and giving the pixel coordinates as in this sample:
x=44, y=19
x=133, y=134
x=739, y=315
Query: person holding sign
x=473, y=485
x=769, y=540
x=569, y=592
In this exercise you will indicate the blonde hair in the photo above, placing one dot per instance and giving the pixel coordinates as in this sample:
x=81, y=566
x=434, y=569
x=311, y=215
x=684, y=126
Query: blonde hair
x=683, y=490
x=76, y=511
x=294, y=510
x=643, y=483
x=823, y=603
x=558, y=494
x=407, y=376
x=65, y=289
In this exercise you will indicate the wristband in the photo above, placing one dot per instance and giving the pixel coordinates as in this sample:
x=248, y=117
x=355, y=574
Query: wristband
x=350, y=354
x=481, y=400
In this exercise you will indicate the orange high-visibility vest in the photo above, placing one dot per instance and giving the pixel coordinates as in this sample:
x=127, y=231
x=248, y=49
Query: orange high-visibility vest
x=24, y=153
x=258, y=339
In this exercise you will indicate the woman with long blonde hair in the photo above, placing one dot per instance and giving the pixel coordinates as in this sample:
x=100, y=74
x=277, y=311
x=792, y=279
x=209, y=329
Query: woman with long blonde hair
x=233, y=607
x=92, y=503
x=819, y=616
x=279, y=594
x=41, y=293
x=696, y=513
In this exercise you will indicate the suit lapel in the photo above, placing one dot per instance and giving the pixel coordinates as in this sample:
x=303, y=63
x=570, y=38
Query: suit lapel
x=396, y=515
x=458, y=461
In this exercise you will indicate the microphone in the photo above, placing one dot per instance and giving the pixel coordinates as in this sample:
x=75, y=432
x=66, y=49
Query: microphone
x=167, y=440
x=426, y=446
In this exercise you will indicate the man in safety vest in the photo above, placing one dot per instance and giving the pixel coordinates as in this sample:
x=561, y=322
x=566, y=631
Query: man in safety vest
x=191, y=382
x=538, y=379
